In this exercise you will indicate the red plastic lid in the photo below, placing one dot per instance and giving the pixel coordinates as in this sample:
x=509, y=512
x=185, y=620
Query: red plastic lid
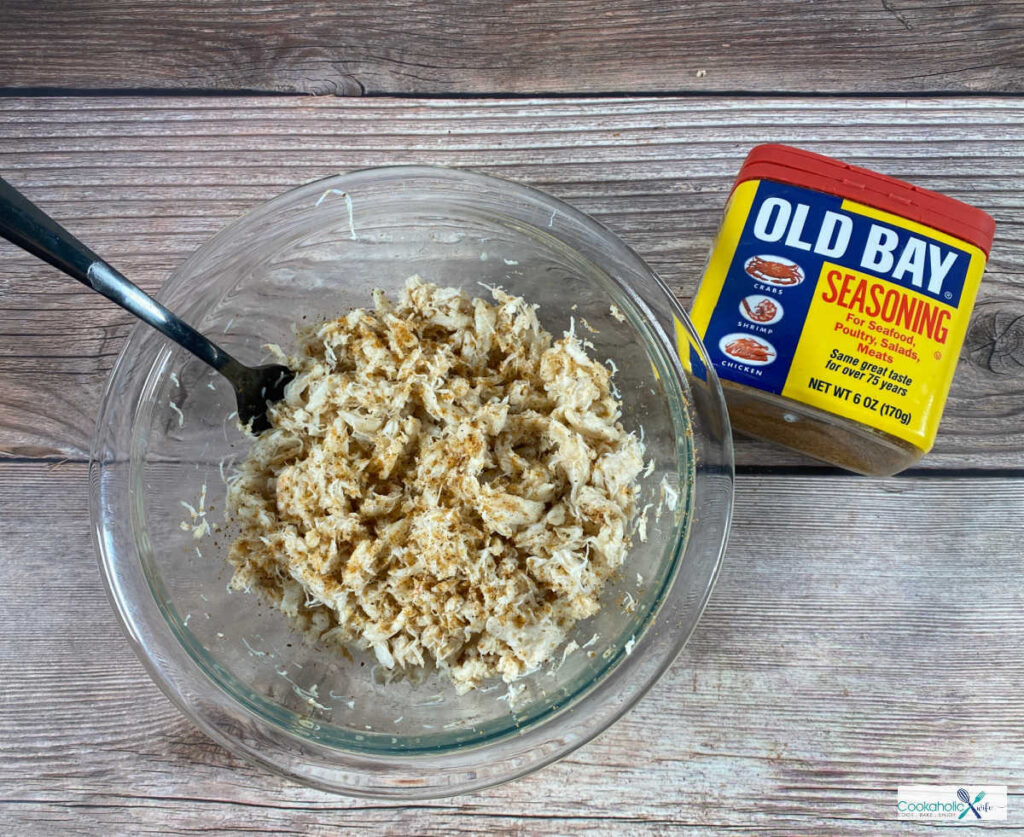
x=797, y=167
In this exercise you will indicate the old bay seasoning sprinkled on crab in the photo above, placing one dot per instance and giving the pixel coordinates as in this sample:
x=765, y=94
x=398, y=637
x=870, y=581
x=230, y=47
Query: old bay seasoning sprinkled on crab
x=444, y=483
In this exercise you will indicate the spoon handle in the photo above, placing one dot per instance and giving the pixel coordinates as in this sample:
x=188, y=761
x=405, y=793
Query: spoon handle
x=27, y=226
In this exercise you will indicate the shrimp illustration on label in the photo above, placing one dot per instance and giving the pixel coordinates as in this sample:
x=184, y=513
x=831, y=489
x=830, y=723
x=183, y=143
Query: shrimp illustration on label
x=752, y=351
x=774, y=270
x=759, y=309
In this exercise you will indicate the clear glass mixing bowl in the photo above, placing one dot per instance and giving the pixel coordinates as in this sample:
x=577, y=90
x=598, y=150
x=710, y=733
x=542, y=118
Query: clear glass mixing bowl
x=165, y=436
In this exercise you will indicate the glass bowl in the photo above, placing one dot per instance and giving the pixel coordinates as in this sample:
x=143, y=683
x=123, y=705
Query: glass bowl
x=165, y=438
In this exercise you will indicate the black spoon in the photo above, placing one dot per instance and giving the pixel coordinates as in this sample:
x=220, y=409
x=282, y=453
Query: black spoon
x=26, y=225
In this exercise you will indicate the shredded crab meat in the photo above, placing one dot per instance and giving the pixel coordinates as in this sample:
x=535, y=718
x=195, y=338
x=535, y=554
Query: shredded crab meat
x=444, y=484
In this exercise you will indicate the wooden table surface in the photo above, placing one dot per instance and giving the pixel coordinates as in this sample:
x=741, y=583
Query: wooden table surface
x=874, y=638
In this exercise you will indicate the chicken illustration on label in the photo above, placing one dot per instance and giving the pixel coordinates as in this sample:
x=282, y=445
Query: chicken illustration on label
x=746, y=349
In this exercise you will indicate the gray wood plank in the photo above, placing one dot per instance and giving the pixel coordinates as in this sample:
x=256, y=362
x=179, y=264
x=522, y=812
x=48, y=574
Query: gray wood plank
x=872, y=635
x=540, y=46
x=147, y=181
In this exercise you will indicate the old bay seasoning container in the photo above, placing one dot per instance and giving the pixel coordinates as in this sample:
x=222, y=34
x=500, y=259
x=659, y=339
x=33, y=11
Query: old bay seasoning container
x=834, y=305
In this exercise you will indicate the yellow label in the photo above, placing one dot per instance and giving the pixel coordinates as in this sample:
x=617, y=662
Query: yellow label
x=722, y=251
x=837, y=305
x=860, y=357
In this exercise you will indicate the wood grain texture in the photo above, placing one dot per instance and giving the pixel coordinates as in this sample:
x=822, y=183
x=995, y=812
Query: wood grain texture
x=147, y=181
x=538, y=46
x=887, y=649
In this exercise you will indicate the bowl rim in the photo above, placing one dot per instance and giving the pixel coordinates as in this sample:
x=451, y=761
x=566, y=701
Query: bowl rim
x=214, y=714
